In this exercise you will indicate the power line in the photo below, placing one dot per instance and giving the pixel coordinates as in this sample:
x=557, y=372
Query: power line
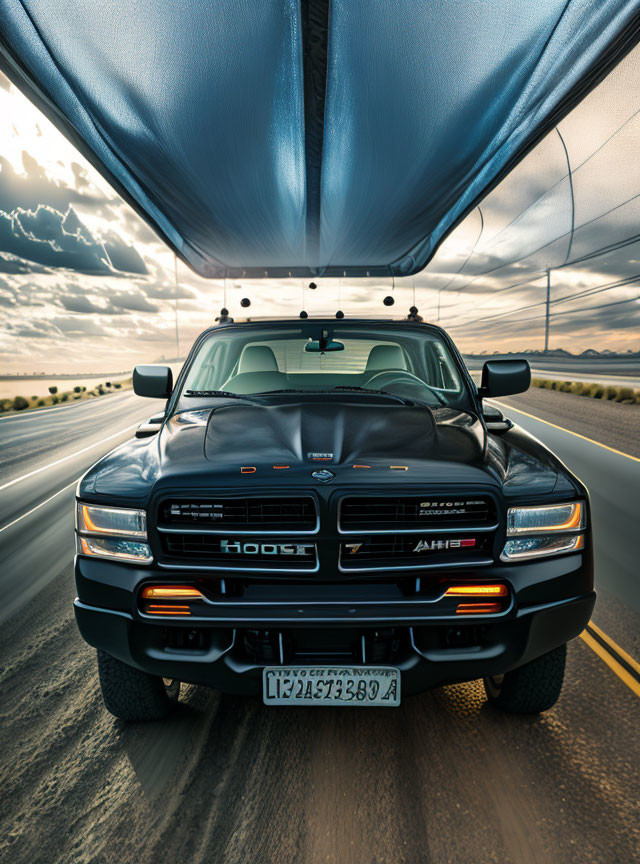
x=568, y=297
x=551, y=189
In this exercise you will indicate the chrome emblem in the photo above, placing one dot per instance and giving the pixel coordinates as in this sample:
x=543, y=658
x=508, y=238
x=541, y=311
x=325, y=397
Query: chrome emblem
x=238, y=547
x=323, y=476
x=438, y=545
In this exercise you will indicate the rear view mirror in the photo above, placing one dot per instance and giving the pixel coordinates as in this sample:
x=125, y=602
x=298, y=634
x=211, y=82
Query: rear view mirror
x=316, y=347
x=504, y=377
x=153, y=381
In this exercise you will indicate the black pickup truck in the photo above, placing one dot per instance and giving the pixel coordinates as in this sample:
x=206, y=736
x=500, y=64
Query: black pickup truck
x=328, y=512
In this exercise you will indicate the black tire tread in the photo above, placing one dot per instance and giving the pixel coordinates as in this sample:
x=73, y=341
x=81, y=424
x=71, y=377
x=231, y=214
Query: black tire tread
x=534, y=687
x=129, y=693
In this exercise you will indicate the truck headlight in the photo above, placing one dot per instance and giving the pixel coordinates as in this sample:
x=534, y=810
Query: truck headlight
x=547, y=522
x=113, y=532
x=546, y=518
x=535, y=547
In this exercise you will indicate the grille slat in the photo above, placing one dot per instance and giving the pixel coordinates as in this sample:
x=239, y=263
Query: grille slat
x=240, y=552
x=393, y=550
x=280, y=514
x=417, y=512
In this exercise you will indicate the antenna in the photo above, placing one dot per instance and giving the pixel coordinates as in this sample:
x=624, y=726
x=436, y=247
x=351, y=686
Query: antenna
x=175, y=273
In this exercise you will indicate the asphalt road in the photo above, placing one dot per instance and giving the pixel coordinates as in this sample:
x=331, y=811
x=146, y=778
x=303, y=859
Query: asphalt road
x=225, y=779
x=43, y=454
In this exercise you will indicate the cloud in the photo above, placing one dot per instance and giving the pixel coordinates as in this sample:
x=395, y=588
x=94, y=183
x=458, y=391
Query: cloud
x=168, y=292
x=138, y=228
x=32, y=188
x=123, y=256
x=40, y=236
x=80, y=176
x=72, y=326
x=15, y=265
x=132, y=302
x=80, y=304
x=7, y=300
x=34, y=329
x=49, y=238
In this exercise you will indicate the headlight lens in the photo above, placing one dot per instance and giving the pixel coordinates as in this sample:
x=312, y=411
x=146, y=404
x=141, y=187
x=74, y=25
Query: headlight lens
x=112, y=520
x=113, y=532
x=546, y=518
x=111, y=547
x=536, y=547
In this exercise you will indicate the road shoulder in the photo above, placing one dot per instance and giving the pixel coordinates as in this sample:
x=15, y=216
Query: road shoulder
x=610, y=423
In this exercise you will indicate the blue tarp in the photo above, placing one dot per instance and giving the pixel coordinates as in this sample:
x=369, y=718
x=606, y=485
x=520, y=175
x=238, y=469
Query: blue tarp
x=267, y=137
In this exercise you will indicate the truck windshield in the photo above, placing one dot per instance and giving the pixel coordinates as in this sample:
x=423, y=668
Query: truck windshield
x=413, y=363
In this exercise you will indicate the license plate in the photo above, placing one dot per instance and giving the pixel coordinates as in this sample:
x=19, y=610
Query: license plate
x=325, y=685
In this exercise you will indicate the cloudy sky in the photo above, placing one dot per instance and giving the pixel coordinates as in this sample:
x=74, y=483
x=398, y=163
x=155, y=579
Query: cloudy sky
x=86, y=286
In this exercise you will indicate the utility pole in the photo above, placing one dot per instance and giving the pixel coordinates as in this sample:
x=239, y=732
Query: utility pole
x=546, y=315
x=175, y=270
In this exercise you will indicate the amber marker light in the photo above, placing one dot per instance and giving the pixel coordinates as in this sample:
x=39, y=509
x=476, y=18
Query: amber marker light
x=398, y=467
x=281, y=467
x=478, y=608
x=171, y=592
x=574, y=521
x=248, y=469
x=169, y=610
x=477, y=591
x=88, y=521
x=362, y=466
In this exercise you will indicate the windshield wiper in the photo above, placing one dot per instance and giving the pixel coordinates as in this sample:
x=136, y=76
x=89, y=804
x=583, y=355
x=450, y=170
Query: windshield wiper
x=345, y=388
x=404, y=399
x=205, y=394
x=286, y=390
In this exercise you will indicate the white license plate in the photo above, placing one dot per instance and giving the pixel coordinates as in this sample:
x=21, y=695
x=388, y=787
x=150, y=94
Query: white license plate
x=331, y=685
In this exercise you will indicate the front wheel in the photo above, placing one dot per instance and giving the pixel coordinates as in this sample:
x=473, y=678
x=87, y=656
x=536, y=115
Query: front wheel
x=133, y=695
x=532, y=688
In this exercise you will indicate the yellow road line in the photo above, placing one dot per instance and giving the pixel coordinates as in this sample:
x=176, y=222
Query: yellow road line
x=611, y=662
x=633, y=663
x=562, y=429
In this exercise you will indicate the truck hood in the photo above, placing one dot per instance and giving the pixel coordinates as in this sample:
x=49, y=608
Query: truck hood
x=339, y=433
x=283, y=444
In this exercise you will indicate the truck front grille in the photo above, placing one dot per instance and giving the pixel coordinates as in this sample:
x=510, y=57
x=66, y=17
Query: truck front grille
x=398, y=551
x=239, y=553
x=428, y=512
x=279, y=514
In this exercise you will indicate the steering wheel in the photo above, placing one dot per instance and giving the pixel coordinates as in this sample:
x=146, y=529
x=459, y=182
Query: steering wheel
x=401, y=376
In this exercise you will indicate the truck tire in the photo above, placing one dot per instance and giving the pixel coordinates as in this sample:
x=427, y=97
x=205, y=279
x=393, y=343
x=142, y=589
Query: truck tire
x=132, y=695
x=532, y=688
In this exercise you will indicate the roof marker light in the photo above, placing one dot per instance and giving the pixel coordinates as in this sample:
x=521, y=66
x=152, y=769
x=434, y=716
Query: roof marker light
x=398, y=467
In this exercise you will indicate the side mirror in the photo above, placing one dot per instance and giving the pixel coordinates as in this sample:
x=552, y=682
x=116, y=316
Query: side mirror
x=504, y=377
x=153, y=381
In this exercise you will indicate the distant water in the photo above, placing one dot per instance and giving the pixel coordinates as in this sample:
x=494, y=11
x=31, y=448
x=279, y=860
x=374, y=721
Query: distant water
x=27, y=387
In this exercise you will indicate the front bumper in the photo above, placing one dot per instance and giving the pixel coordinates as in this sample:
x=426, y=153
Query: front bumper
x=551, y=603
